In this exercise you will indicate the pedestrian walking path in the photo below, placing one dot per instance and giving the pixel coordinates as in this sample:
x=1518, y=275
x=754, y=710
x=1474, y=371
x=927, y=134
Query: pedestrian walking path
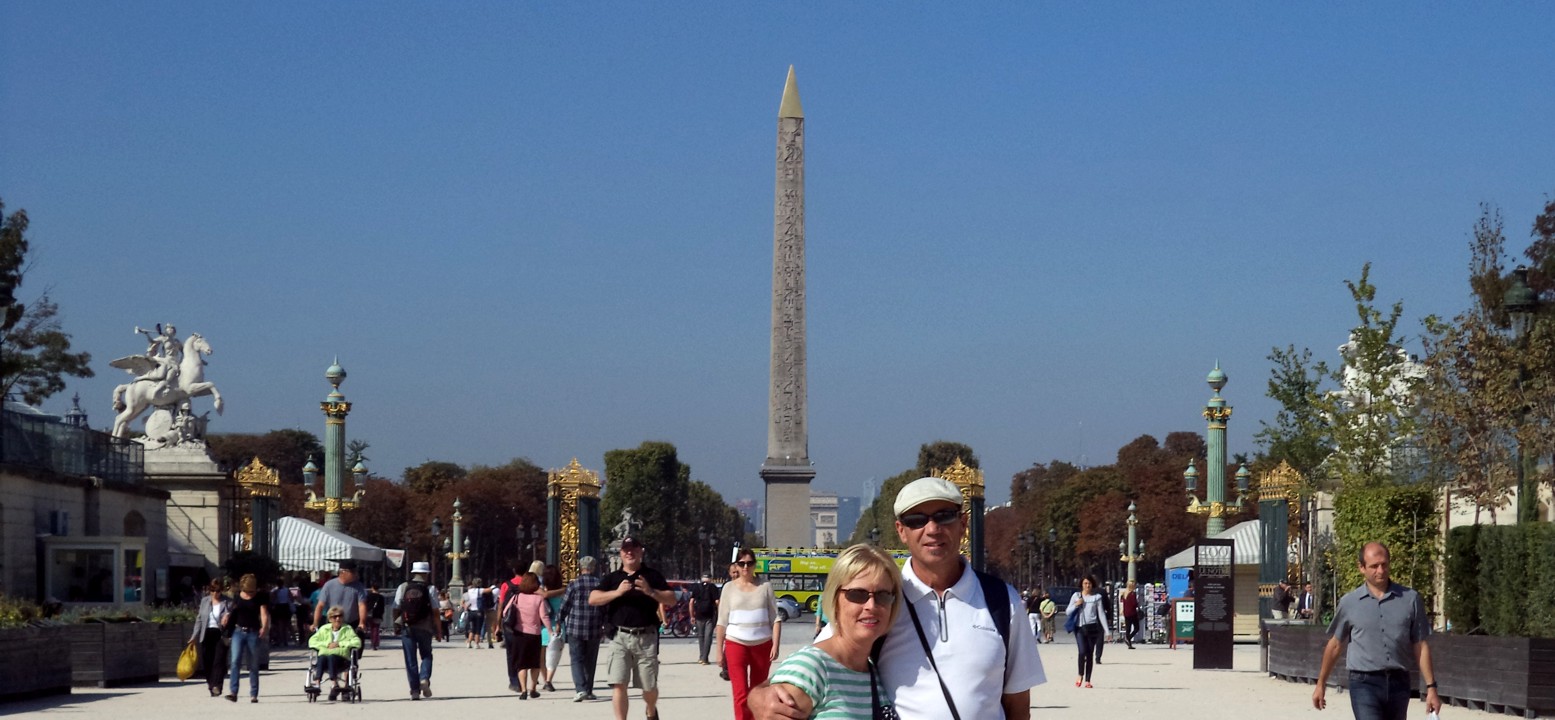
x=471, y=684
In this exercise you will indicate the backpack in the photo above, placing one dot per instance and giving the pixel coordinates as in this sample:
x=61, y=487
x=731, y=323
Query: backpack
x=488, y=601
x=415, y=602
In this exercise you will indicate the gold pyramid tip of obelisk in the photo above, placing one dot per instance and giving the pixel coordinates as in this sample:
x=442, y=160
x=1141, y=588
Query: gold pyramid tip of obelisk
x=790, y=107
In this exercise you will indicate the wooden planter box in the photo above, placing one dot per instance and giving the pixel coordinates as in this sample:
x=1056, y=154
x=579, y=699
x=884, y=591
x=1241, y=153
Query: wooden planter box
x=1511, y=675
x=35, y=662
x=108, y=654
x=171, y=640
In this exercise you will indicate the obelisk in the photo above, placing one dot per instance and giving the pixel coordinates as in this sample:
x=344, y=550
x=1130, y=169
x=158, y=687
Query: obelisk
x=787, y=471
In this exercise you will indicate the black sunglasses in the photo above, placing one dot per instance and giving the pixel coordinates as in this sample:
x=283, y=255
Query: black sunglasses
x=943, y=517
x=859, y=596
x=745, y=563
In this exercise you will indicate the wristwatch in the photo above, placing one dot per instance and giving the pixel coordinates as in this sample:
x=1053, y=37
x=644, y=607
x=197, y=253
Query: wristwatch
x=1430, y=686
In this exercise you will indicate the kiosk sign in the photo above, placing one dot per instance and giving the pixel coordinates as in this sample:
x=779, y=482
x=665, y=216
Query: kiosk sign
x=1213, y=594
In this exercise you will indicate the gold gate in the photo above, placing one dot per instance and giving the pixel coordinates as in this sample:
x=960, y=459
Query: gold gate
x=564, y=487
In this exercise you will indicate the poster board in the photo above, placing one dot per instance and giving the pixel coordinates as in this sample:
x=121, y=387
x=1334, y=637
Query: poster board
x=1214, y=595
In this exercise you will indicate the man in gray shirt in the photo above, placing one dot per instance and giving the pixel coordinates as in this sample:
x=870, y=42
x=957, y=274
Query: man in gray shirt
x=345, y=592
x=1387, y=630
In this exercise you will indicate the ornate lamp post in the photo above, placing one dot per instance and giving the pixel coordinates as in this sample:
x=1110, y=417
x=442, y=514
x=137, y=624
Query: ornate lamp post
x=1132, y=551
x=1522, y=304
x=1052, y=562
x=1028, y=542
x=1217, y=412
x=874, y=536
x=701, y=540
x=712, y=544
x=405, y=559
x=437, y=531
x=335, y=410
x=451, y=550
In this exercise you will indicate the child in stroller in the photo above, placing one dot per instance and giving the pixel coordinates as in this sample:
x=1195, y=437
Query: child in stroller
x=336, y=648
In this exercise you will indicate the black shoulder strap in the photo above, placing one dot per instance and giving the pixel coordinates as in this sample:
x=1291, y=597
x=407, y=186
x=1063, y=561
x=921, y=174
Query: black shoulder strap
x=930, y=653
x=998, y=606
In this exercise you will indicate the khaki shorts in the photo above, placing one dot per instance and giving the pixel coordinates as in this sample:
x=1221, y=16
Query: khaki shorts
x=634, y=657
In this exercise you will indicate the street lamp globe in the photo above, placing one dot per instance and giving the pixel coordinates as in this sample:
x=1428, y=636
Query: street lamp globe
x=1521, y=302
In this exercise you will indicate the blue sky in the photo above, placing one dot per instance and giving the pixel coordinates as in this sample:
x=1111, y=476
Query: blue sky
x=544, y=230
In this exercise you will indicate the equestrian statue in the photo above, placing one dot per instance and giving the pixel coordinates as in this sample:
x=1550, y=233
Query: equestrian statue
x=167, y=378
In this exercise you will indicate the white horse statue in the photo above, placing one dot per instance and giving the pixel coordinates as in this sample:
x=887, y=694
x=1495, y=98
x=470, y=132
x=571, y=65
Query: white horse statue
x=169, y=393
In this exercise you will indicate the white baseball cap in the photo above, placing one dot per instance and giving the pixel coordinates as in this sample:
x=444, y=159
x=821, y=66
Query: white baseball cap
x=926, y=489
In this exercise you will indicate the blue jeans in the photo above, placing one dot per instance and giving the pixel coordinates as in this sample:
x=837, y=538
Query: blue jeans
x=1380, y=696
x=414, y=641
x=244, y=642
x=585, y=657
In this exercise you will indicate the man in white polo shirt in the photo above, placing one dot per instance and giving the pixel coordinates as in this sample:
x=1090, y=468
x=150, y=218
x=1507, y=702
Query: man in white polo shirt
x=973, y=669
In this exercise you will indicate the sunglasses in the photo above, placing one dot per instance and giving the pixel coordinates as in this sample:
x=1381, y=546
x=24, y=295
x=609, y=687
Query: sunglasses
x=859, y=596
x=337, y=617
x=745, y=563
x=943, y=517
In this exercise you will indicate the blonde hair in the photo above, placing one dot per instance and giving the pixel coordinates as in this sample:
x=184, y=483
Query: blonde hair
x=248, y=583
x=537, y=567
x=856, y=561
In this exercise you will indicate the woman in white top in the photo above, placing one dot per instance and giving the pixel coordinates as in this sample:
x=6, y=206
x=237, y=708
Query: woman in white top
x=1090, y=629
x=749, y=631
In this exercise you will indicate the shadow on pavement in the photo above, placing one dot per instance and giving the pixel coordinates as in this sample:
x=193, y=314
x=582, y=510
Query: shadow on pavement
x=58, y=702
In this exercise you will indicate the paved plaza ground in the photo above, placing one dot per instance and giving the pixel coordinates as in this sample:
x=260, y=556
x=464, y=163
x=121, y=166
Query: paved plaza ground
x=1151, y=681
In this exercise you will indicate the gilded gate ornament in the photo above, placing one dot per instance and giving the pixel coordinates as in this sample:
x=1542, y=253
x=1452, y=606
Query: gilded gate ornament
x=567, y=485
x=970, y=481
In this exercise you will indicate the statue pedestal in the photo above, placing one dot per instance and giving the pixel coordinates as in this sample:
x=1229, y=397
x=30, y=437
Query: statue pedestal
x=199, y=526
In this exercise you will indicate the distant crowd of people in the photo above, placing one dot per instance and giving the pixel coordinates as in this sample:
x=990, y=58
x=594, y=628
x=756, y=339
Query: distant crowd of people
x=932, y=638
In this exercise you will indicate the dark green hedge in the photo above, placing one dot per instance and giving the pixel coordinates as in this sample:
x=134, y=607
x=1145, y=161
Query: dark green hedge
x=1501, y=579
x=1462, y=577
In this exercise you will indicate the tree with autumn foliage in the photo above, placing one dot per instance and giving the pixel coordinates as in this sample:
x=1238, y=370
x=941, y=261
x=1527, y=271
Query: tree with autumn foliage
x=1487, y=392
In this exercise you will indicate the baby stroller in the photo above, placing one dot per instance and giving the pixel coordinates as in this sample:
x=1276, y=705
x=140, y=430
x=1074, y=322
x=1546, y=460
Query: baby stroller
x=347, y=688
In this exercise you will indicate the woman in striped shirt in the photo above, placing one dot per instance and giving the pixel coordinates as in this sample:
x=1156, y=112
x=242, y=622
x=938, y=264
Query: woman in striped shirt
x=834, y=676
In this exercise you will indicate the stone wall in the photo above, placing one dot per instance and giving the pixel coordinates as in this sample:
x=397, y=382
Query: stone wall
x=30, y=499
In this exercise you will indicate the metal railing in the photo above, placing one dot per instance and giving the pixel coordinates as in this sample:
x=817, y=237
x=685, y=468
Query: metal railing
x=67, y=450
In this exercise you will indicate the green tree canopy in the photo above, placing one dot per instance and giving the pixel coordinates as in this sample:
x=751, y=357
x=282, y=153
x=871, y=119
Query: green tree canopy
x=284, y=451
x=35, y=352
x=431, y=476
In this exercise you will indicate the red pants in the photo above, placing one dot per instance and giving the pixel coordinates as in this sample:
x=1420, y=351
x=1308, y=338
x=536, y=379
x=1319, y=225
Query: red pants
x=748, y=667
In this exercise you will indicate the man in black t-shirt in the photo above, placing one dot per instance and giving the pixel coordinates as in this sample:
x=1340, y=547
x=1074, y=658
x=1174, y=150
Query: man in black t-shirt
x=704, y=609
x=631, y=597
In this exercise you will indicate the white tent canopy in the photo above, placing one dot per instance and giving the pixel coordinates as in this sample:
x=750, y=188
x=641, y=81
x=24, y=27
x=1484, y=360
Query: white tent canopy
x=306, y=545
x=1249, y=545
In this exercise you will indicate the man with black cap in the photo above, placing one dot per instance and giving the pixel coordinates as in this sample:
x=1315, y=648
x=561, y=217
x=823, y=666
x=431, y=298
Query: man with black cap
x=704, y=609
x=347, y=591
x=947, y=656
x=631, y=597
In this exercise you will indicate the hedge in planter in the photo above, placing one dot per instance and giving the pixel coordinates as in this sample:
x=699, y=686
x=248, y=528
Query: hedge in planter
x=1501, y=580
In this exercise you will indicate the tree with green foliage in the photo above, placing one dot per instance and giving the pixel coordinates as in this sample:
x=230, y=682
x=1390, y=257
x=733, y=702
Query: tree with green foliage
x=284, y=451
x=651, y=480
x=431, y=476
x=35, y=352
x=880, y=514
x=1300, y=434
x=1371, y=415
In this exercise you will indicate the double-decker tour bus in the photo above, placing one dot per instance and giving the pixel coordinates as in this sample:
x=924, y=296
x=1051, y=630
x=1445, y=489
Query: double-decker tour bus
x=799, y=574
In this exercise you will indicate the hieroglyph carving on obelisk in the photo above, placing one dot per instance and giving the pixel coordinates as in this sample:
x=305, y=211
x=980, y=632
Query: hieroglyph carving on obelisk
x=787, y=471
